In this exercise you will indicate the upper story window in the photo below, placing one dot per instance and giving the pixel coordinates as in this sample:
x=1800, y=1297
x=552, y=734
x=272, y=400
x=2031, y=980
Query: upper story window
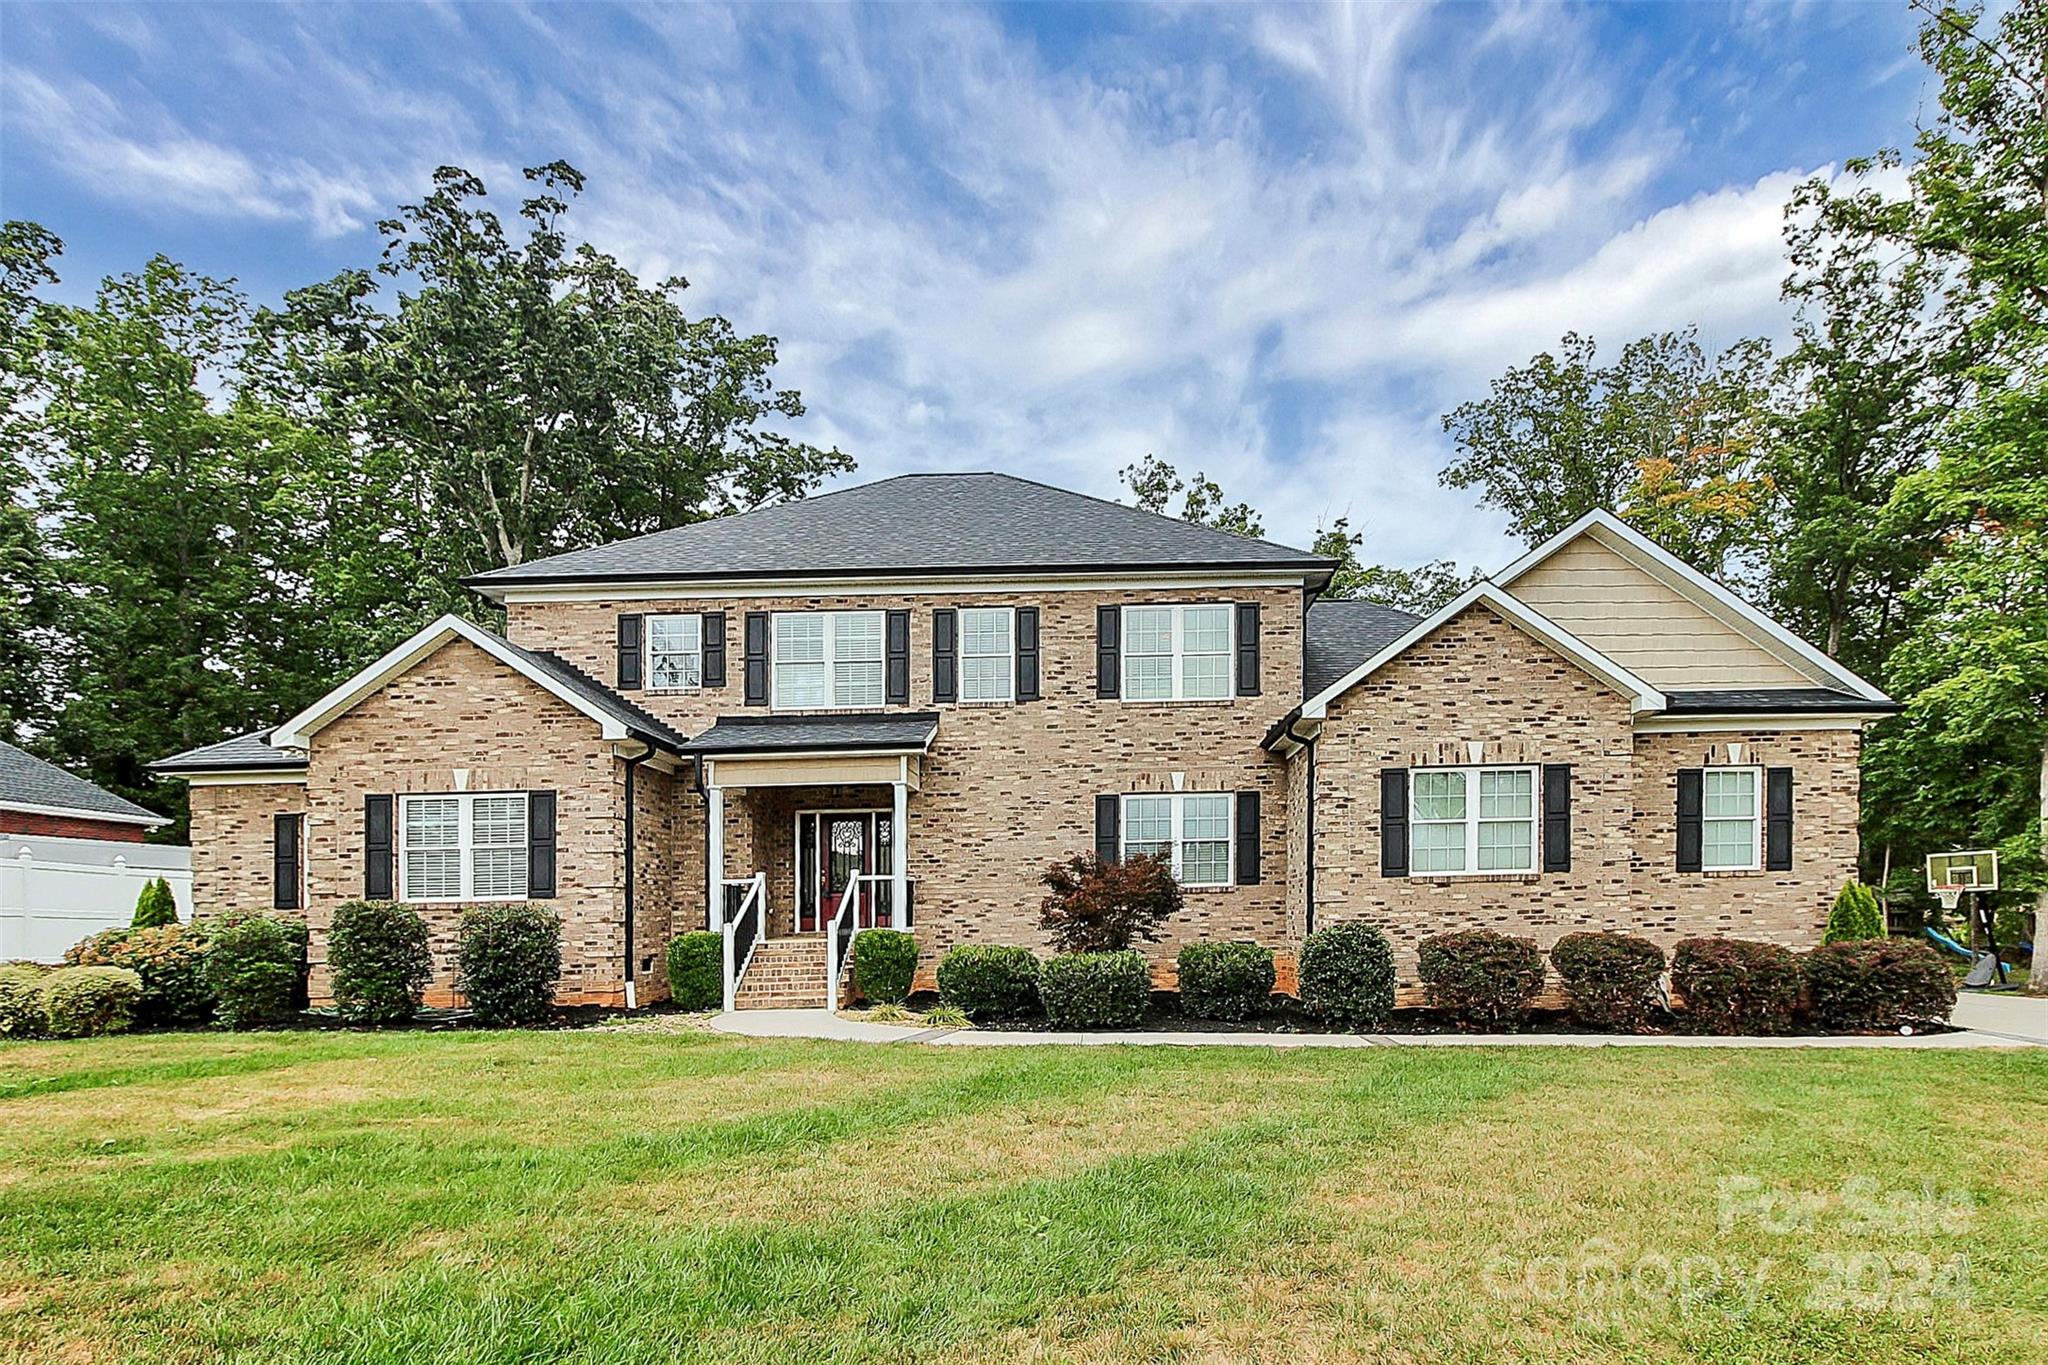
x=828, y=659
x=1179, y=653
x=462, y=847
x=1192, y=830
x=1471, y=820
x=988, y=654
x=675, y=652
x=1729, y=827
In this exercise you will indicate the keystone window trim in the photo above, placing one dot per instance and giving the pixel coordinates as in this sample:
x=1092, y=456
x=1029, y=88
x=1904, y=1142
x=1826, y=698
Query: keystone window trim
x=1177, y=651
x=515, y=843
x=692, y=626
x=1176, y=843
x=1472, y=780
x=831, y=640
x=1755, y=818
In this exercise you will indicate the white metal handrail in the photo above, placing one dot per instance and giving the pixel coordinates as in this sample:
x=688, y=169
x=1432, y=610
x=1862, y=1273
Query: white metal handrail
x=832, y=962
x=756, y=903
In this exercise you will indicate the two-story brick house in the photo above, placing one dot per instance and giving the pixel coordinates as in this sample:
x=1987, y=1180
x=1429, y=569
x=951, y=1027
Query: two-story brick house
x=899, y=702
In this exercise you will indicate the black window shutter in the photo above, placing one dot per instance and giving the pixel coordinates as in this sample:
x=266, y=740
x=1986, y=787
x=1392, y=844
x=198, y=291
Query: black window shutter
x=896, y=652
x=1247, y=838
x=1689, y=789
x=1109, y=651
x=756, y=667
x=1778, y=819
x=714, y=648
x=377, y=820
x=945, y=655
x=284, y=872
x=1247, y=649
x=1393, y=822
x=1027, y=654
x=1107, y=808
x=1557, y=817
x=629, y=649
x=540, y=845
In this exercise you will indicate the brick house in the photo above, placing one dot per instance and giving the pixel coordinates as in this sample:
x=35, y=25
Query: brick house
x=897, y=703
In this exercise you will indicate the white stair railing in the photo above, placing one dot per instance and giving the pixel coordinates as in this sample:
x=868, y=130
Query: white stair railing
x=742, y=931
x=838, y=949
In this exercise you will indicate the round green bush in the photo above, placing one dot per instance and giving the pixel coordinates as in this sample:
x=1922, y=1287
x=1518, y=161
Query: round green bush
x=256, y=969
x=378, y=958
x=989, y=982
x=1732, y=987
x=508, y=959
x=21, y=1001
x=1347, y=976
x=1878, y=984
x=1855, y=915
x=1225, y=980
x=1095, y=990
x=170, y=959
x=1610, y=980
x=1483, y=980
x=696, y=970
x=156, y=907
x=81, y=1002
x=884, y=964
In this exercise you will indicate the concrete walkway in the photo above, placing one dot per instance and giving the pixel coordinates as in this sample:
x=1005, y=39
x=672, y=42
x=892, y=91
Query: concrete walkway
x=1986, y=1021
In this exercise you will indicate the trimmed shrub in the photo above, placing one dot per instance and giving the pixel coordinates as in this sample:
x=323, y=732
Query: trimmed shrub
x=156, y=907
x=988, y=982
x=170, y=959
x=1095, y=990
x=1097, y=907
x=1225, y=980
x=508, y=959
x=21, y=1001
x=377, y=952
x=696, y=970
x=1610, y=980
x=1484, y=981
x=256, y=968
x=1854, y=916
x=80, y=1002
x=884, y=962
x=1878, y=984
x=1347, y=976
x=1735, y=987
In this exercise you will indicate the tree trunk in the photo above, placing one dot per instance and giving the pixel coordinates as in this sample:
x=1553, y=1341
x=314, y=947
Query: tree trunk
x=2037, y=979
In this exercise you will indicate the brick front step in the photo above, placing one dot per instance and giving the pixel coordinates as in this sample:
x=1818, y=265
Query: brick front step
x=786, y=973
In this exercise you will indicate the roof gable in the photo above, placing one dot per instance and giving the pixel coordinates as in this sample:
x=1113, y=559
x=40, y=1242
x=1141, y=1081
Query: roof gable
x=914, y=525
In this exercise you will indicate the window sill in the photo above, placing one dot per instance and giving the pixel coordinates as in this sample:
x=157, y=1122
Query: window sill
x=677, y=691
x=1208, y=890
x=1178, y=701
x=1731, y=872
x=1447, y=878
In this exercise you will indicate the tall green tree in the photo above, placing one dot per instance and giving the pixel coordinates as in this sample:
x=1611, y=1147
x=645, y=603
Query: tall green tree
x=28, y=582
x=1154, y=484
x=1421, y=590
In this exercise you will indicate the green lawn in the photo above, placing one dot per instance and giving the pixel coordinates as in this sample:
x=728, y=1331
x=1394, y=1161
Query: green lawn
x=627, y=1195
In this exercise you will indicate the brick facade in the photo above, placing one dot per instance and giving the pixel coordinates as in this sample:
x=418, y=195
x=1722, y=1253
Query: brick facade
x=233, y=855
x=34, y=823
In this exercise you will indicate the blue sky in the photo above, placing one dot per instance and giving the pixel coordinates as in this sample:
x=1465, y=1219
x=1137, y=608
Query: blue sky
x=1275, y=243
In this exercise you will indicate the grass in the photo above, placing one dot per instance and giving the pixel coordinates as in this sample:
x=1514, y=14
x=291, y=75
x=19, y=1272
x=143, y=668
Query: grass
x=606, y=1196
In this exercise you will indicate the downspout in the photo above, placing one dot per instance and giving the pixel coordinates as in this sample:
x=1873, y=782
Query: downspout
x=697, y=784
x=1308, y=882
x=632, y=764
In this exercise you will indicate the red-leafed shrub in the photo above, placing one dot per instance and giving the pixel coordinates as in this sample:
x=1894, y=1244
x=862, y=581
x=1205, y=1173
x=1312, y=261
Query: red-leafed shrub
x=1482, y=980
x=1734, y=987
x=1878, y=984
x=1098, y=907
x=1610, y=980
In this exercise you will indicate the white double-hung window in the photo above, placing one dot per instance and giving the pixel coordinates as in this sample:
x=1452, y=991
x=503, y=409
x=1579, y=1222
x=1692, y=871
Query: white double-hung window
x=462, y=847
x=1471, y=820
x=1191, y=830
x=1730, y=832
x=675, y=652
x=828, y=659
x=988, y=654
x=1179, y=653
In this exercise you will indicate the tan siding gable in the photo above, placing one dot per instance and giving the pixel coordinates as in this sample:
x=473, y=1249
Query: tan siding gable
x=1645, y=625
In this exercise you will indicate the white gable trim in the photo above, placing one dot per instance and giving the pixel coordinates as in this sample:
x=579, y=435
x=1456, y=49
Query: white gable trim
x=296, y=732
x=80, y=813
x=1642, y=697
x=1704, y=592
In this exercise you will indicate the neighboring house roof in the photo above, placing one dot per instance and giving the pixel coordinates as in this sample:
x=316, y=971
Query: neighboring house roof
x=1341, y=634
x=896, y=730
x=30, y=785
x=1769, y=700
x=244, y=753
x=917, y=524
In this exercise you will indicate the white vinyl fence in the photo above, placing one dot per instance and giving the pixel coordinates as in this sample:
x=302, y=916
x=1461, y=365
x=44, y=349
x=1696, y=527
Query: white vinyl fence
x=53, y=892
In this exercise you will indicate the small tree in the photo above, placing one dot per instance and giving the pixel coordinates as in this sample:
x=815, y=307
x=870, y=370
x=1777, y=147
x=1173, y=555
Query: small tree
x=1099, y=907
x=1854, y=915
x=156, y=906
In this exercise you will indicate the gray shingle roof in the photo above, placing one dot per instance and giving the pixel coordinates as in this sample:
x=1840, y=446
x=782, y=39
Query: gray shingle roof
x=634, y=717
x=26, y=780
x=916, y=523
x=230, y=755
x=1342, y=635
x=1757, y=700
x=770, y=734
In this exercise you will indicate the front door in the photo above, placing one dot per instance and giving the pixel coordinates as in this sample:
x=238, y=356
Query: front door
x=836, y=849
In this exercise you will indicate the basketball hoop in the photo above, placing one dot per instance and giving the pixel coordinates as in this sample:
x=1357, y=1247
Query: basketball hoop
x=1948, y=896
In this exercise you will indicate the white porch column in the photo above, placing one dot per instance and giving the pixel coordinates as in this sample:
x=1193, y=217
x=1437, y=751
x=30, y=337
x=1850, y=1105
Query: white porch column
x=899, y=849
x=714, y=858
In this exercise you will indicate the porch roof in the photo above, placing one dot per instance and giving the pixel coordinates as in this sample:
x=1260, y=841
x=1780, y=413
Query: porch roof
x=866, y=732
